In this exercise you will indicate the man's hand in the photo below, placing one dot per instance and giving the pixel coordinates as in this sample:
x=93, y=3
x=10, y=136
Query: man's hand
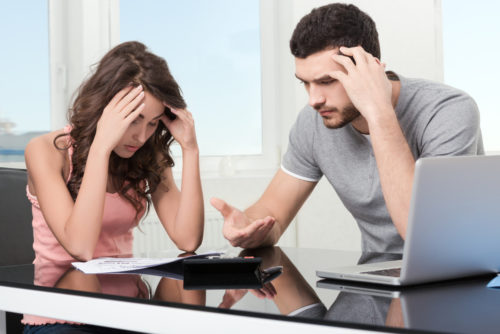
x=231, y=297
x=365, y=82
x=370, y=91
x=240, y=230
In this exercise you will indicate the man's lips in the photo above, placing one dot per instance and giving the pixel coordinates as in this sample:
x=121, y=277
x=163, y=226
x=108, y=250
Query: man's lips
x=326, y=112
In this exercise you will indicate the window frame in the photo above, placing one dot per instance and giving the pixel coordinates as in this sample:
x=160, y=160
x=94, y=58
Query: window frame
x=81, y=32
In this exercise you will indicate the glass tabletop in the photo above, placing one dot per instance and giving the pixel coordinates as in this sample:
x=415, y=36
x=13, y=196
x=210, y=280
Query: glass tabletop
x=460, y=306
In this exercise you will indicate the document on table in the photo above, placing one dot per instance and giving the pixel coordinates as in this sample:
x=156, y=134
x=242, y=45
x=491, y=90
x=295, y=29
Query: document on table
x=107, y=265
x=494, y=283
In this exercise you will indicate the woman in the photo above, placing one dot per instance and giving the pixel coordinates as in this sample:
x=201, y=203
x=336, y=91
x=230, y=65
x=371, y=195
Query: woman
x=91, y=182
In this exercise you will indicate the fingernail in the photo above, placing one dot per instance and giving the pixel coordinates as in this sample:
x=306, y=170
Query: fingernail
x=139, y=87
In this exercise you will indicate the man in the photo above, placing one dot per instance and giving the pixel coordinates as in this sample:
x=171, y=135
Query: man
x=363, y=129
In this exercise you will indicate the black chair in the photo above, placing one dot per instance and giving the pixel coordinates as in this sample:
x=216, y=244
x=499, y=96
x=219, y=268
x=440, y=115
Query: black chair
x=16, y=232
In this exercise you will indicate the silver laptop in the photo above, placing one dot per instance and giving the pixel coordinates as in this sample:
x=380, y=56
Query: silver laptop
x=378, y=290
x=453, y=225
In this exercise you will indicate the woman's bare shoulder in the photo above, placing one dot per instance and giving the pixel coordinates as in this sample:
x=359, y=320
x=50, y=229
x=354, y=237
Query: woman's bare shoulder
x=42, y=148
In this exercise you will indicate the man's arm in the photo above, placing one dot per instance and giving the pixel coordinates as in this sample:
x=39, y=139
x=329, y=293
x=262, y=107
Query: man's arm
x=371, y=93
x=396, y=167
x=263, y=223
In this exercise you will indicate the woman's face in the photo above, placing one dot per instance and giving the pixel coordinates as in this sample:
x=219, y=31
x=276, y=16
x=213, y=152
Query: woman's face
x=141, y=128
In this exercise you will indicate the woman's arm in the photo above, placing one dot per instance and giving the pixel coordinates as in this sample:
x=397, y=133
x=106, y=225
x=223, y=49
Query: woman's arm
x=77, y=225
x=182, y=212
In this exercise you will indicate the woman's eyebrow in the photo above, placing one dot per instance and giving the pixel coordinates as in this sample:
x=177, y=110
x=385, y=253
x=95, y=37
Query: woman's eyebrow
x=154, y=118
x=157, y=117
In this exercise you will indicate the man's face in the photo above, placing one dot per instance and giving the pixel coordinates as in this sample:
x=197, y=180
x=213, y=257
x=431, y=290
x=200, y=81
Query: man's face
x=326, y=95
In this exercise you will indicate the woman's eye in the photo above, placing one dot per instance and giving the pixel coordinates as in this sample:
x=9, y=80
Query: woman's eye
x=153, y=124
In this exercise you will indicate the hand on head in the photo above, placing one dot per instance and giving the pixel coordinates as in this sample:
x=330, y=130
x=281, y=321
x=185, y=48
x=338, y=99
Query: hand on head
x=240, y=230
x=118, y=114
x=365, y=82
x=181, y=128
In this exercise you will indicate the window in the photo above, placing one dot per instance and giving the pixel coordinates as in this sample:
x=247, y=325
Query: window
x=213, y=50
x=227, y=84
x=25, y=96
x=470, y=51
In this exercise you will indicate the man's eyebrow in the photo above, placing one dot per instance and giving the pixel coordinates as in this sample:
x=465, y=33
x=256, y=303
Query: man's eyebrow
x=321, y=78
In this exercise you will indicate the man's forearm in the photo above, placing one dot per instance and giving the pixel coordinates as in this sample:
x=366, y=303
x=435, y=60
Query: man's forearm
x=256, y=212
x=396, y=166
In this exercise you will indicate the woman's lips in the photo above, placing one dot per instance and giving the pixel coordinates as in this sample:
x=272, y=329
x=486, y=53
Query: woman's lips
x=131, y=148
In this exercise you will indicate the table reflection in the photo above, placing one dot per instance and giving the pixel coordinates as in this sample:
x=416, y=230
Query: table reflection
x=462, y=306
x=294, y=296
x=367, y=308
x=63, y=276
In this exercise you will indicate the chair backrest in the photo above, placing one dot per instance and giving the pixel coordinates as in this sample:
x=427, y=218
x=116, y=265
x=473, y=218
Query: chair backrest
x=16, y=232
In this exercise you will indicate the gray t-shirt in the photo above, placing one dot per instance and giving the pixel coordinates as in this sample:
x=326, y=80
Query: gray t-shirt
x=436, y=120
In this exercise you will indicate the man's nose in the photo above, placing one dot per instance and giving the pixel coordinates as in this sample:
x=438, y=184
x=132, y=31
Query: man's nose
x=316, y=98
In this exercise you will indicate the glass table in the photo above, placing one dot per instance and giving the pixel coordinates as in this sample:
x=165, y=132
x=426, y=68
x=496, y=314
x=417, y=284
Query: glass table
x=297, y=300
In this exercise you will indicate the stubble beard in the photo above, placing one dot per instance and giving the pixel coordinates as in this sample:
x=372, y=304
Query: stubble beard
x=342, y=118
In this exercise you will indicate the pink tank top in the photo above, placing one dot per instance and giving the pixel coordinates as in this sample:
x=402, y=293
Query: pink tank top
x=119, y=218
x=115, y=239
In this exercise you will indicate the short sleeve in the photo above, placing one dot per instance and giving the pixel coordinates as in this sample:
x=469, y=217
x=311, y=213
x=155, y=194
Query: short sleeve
x=454, y=129
x=298, y=160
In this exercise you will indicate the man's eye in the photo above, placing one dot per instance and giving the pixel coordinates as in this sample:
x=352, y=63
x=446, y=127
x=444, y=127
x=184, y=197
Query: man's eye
x=327, y=82
x=153, y=124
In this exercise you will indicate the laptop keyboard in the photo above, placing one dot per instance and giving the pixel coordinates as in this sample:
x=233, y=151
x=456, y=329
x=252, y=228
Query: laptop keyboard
x=393, y=272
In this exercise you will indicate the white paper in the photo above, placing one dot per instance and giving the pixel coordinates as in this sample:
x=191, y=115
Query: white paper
x=105, y=265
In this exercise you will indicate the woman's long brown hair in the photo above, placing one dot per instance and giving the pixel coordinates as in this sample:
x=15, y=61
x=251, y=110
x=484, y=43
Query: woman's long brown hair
x=126, y=64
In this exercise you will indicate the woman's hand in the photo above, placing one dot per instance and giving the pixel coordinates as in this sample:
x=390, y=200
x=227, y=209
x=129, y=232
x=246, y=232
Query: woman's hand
x=122, y=110
x=182, y=128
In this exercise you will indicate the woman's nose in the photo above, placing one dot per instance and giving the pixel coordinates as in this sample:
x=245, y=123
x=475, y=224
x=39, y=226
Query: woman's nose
x=140, y=135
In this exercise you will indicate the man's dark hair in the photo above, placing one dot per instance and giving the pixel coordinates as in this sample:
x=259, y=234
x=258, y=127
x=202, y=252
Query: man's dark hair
x=333, y=26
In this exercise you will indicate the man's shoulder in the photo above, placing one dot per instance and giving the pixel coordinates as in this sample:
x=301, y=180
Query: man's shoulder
x=423, y=98
x=431, y=89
